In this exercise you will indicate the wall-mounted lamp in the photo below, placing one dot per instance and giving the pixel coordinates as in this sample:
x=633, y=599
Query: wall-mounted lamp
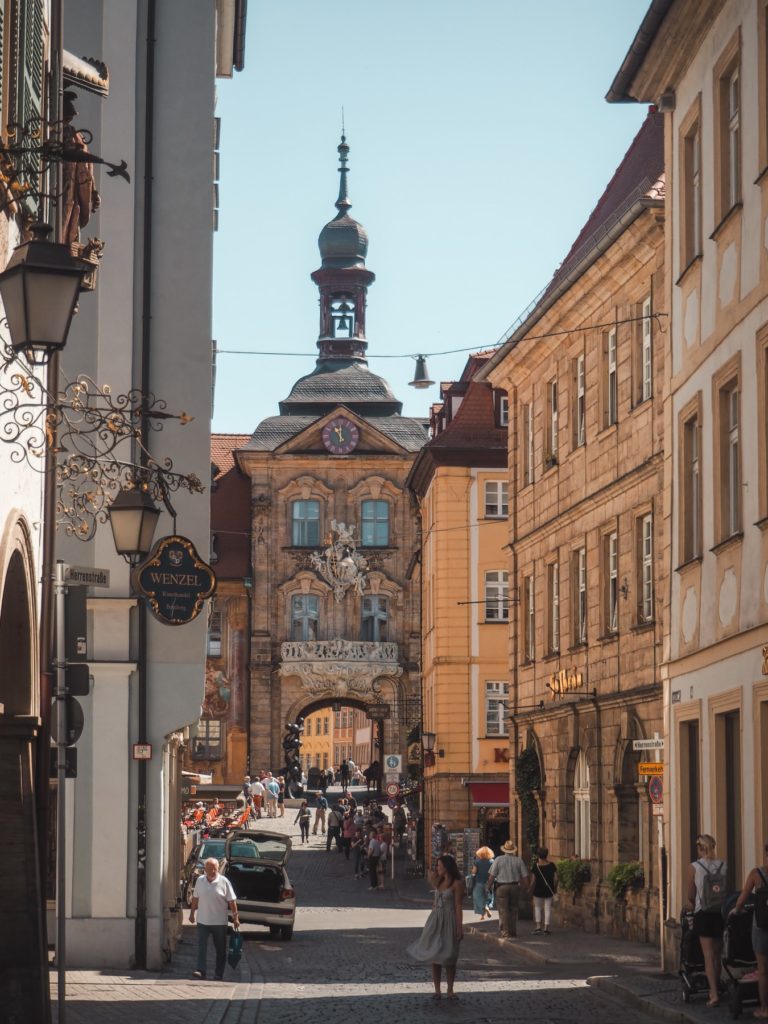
x=428, y=740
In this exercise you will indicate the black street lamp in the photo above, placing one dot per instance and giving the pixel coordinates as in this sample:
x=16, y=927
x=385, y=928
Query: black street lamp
x=39, y=289
x=133, y=517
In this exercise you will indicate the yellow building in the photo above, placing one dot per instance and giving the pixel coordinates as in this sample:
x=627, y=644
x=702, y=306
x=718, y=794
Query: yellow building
x=317, y=741
x=460, y=482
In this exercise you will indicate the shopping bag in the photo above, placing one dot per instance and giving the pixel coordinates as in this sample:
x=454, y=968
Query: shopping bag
x=235, y=949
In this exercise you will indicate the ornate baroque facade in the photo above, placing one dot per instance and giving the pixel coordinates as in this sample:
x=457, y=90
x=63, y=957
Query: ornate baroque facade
x=334, y=618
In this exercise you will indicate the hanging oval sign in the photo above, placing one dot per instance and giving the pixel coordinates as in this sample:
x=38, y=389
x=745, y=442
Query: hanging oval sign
x=174, y=581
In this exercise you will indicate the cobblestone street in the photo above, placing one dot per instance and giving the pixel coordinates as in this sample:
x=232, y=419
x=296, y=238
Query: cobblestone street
x=347, y=963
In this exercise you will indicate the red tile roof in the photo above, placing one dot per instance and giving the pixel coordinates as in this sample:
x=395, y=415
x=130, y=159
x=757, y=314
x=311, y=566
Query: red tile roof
x=474, y=424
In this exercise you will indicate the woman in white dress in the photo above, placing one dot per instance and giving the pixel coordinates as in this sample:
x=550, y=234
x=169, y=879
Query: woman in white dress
x=439, y=941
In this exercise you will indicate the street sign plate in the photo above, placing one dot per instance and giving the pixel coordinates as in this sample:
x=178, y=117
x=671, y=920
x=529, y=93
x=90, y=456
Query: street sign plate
x=70, y=759
x=75, y=722
x=658, y=810
x=393, y=762
x=142, y=751
x=86, y=576
x=650, y=768
x=392, y=789
x=392, y=803
x=656, y=789
x=654, y=744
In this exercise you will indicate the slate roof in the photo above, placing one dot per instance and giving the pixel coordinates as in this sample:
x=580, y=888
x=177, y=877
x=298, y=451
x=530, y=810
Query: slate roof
x=410, y=433
x=341, y=382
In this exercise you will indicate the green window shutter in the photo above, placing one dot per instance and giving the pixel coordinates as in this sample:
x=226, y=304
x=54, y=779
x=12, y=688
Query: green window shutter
x=28, y=85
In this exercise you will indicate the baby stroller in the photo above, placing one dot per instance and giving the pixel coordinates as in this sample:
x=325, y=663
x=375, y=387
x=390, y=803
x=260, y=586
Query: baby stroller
x=691, y=972
x=739, y=962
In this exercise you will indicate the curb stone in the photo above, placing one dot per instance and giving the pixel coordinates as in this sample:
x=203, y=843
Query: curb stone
x=641, y=1001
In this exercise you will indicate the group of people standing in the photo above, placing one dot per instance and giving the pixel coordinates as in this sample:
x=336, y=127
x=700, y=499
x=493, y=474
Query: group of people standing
x=263, y=795
x=499, y=881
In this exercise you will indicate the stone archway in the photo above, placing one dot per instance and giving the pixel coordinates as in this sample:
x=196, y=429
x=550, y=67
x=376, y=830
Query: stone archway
x=23, y=957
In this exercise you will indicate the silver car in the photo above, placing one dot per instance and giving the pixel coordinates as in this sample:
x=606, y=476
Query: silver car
x=254, y=862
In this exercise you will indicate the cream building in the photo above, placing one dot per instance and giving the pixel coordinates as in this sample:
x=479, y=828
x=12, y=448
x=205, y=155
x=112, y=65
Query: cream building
x=705, y=63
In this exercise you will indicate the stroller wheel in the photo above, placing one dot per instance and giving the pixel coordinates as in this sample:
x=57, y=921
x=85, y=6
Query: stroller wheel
x=734, y=1003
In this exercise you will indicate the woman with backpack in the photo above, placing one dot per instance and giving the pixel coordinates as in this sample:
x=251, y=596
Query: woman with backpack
x=757, y=883
x=706, y=891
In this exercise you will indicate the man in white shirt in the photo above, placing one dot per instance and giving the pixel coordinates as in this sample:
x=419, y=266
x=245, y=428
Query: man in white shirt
x=510, y=875
x=213, y=896
x=271, y=792
x=257, y=795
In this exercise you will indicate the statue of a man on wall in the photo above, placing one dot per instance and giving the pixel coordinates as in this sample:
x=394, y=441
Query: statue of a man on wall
x=80, y=196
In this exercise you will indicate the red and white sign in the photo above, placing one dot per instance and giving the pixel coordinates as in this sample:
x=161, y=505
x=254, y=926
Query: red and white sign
x=142, y=751
x=392, y=789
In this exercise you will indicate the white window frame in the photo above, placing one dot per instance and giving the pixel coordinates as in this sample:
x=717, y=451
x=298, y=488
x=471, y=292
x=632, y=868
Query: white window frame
x=496, y=499
x=612, y=568
x=503, y=411
x=302, y=525
x=497, y=595
x=374, y=622
x=612, y=397
x=646, y=353
x=733, y=143
x=215, y=632
x=646, y=568
x=733, y=473
x=527, y=444
x=553, y=586
x=581, y=596
x=496, y=694
x=374, y=528
x=305, y=609
x=581, y=402
x=581, y=807
x=553, y=430
x=529, y=639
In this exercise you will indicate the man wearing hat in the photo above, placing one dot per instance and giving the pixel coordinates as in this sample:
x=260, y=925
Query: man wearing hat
x=509, y=873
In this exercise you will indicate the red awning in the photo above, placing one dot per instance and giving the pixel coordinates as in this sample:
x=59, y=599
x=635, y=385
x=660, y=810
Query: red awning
x=490, y=794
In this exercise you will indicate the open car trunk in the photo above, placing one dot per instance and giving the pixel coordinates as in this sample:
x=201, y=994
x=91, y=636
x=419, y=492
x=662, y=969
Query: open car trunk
x=255, y=881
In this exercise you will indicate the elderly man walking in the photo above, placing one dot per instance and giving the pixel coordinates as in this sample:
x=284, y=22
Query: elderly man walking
x=213, y=896
x=509, y=873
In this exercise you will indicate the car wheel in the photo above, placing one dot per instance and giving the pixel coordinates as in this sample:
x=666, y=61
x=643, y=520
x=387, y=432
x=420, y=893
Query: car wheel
x=286, y=933
x=274, y=931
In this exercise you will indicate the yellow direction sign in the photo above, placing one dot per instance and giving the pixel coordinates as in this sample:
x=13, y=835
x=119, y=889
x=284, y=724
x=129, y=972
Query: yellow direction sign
x=650, y=768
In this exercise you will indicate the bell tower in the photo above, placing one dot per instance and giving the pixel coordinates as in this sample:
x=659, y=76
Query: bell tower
x=342, y=279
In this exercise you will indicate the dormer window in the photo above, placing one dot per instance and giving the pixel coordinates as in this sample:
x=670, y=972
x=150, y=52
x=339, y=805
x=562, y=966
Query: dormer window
x=343, y=317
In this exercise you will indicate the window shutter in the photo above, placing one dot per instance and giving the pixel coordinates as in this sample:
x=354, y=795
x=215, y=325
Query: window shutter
x=28, y=84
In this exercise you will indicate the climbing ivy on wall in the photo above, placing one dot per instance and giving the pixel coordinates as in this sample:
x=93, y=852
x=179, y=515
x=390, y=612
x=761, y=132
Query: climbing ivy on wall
x=528, y=776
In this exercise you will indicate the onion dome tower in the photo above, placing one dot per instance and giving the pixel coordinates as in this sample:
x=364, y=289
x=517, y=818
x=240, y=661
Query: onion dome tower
x=343, y=278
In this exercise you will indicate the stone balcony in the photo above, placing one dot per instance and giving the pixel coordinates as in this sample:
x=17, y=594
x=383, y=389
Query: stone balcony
x=340, y=667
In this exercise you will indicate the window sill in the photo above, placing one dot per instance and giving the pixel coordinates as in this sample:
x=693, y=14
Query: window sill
x=762, y=524
x=643, y=627
x=494, y=622
x=495, y=736
x=730, y=542
x=551, y=656
x=691, y=263
x=580, y=646
x=497, y=519
x=642, y=403
x=761, y=176
x=608, y=428
x=527, y=663
x=729, y=215
x=696, y=560
x=608, y=638
x=548, y=465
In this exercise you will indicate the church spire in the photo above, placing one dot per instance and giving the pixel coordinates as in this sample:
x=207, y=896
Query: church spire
x=343, y=278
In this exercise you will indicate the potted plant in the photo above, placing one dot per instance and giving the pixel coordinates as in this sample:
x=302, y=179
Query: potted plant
x=625, y=876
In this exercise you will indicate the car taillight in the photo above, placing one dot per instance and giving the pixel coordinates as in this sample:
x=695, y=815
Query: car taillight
x=287, y=894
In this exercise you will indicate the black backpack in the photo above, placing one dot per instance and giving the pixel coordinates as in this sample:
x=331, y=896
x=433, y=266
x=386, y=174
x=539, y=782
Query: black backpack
x=713, y=887
x=761, y=902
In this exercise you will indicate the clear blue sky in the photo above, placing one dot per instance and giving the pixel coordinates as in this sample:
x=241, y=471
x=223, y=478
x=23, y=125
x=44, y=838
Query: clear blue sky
x=480, y=142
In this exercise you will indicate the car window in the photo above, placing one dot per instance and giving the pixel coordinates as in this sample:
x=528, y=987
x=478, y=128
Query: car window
x=271, y=848
x=244, y=850
x=211, y=848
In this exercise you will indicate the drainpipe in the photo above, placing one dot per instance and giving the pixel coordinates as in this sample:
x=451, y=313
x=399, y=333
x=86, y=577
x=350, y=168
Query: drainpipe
x=140, y=941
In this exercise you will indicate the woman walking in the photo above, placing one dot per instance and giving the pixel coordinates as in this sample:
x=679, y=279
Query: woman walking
x=544, y=888
x=707, y=922
x=758, y=879
x=439, y=941
x=480, y=870
x=303, y=819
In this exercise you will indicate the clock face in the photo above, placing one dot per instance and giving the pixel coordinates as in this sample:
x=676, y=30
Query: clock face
x=340, y=436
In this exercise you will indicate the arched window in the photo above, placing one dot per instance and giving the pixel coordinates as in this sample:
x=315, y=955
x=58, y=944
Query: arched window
x=305, y=523
x=375, y=526
x=305, y=611
x=581, y=807
x=375, y=618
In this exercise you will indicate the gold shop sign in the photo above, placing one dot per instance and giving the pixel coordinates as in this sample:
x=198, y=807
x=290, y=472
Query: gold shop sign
x=565, y=681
